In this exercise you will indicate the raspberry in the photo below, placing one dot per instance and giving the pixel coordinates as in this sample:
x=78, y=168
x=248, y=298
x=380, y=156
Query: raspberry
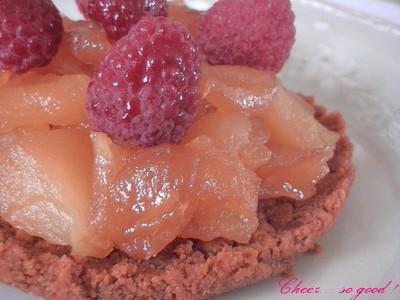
x=255, y=33
x=145, y=90
x=117, y=16
x=155, y=8
x=30, y=33
x=83, y=7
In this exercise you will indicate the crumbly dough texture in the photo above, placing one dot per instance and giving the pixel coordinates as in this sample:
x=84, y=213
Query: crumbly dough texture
x=187, y=269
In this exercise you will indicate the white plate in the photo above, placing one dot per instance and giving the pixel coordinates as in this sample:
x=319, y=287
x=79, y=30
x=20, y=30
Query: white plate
x=350, y=63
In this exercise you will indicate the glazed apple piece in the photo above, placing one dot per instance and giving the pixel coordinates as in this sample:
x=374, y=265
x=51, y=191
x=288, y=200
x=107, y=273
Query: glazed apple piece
x=35, y=99
x=227, y=193
x=64, y=62
x=227, y=190
x=143, y=196
x=87, y=41
x=290, y=122
x=180, y=13
x=287, y=117
x=234, y=132
x=228, y=130
x=287, y=121
x=256, y=153
x=300, y=145
x=46, y=186
x=293, y=172
x=4, y=77
x=203, y=108
x=237, y=88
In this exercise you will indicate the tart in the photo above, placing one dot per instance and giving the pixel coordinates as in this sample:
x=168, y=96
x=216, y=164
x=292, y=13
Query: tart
x=150, y=167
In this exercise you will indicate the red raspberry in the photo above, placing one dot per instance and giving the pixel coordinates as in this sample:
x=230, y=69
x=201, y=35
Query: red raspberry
x=117, y=16
x=255, y=33
x=145, y=90
x=155, y=8
x=83, y=7
x=30, y=33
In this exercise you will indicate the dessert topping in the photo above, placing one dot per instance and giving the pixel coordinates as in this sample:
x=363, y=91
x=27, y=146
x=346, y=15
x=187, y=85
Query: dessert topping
x=254, y=33
x=145, y=90
x=155, y=8
x=30, y=33
x=117, y=16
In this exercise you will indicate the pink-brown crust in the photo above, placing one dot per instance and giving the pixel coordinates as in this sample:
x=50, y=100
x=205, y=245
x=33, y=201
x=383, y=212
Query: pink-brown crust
x=187, y=269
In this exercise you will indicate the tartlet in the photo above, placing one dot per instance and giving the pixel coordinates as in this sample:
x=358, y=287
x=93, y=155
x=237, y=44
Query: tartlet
x=175, y=199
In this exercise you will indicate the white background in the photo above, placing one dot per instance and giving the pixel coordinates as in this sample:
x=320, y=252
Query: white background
x=389, y=11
